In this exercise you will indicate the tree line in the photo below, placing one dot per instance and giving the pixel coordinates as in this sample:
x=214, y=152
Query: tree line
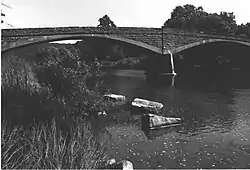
x=191, y=18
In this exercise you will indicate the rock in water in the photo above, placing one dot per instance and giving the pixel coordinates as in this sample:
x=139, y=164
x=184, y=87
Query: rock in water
x=111, y=161
x=103, y=113
x=124, y=164
x=115, y=97
x=154, y=121
x=146, y=104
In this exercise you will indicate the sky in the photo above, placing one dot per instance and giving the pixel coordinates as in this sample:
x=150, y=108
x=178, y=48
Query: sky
x=126, y=13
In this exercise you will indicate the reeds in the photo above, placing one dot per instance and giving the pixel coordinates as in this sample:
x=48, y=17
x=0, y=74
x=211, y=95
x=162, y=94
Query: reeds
x=36, y=97
x=47, y=147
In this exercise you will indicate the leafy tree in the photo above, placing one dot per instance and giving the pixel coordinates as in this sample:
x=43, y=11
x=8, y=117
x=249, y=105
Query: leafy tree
x=189, y=17
x=185, y=17
x=227, y=21
x=106, y=22
x=243, y=30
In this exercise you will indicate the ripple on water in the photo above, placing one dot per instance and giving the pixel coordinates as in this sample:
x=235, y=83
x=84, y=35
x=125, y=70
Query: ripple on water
x=202, y=142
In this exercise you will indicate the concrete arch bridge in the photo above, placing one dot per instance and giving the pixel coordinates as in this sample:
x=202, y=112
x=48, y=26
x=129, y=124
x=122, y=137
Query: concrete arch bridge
x=161, y=41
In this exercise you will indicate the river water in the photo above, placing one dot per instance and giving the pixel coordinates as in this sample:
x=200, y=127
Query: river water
x=215, y=132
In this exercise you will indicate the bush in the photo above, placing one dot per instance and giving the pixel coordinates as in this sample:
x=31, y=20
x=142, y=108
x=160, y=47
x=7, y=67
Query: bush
x=57, y=85
x=23, y=98
x=45, y=147
x=71, y=79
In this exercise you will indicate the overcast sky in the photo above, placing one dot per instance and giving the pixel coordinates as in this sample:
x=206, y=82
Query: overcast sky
x=134, y=13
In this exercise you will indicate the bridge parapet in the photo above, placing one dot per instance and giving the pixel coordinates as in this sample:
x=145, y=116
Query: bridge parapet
x=165, y=38
x=98, y=30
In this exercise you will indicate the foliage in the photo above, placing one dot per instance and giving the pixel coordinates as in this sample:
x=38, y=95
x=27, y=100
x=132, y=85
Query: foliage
x=106, y=22
x=72, y=80
x=189, y=17
x=23, y=98
x=57, y=84
x=45, y=147
x=243, y=30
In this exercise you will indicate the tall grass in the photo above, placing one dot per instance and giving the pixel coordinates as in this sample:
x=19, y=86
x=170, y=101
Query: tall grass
x=45, y=105
x=45, y=147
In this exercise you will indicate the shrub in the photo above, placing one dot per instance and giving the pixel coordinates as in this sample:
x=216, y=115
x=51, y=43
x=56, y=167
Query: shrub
x=71, y=79
x=57, y=85
x=23, y=98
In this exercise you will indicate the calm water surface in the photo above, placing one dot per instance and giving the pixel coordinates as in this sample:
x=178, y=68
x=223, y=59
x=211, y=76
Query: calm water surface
x=216, y=128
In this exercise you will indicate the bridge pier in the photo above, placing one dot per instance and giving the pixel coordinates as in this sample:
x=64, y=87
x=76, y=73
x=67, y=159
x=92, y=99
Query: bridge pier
x=172, y=63
x=169, y=61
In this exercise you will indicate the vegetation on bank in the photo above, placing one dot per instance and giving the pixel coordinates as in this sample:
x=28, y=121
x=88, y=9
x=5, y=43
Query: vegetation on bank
x=47, y=102
x=45, y=146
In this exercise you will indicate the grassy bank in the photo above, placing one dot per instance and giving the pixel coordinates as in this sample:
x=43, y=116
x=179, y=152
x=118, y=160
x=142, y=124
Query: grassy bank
x=46, y=147
x=47, y=99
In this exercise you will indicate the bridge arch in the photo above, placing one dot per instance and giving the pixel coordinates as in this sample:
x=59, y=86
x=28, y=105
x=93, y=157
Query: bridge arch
x=44, y=39
x=185, y=47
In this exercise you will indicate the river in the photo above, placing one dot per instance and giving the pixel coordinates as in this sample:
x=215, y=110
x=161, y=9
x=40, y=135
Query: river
x=215, y=132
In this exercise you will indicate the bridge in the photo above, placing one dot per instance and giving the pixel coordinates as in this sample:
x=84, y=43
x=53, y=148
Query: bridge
x=162, y=41
x=159, y=40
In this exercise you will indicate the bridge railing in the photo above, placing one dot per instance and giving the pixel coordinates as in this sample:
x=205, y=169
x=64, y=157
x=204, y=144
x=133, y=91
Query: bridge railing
x=76, y=30
x=207, y=35
x=99, y=30
x=14, y=35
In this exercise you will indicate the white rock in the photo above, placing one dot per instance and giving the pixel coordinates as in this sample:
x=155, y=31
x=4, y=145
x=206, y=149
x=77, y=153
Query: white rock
x=126, y=165
x=111, y=161
x=142, y=103
x=103, y=113
x=161, y=121
x=115, y=96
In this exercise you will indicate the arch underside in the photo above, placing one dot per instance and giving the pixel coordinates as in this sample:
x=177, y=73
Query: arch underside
x=44, y=39
x=195, y=44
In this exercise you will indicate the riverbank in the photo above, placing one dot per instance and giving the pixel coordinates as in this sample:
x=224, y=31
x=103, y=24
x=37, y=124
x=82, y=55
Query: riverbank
x=47, y=107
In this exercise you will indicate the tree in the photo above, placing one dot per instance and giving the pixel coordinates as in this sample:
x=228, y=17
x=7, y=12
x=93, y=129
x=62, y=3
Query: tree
x=106, y=22
x=243, y=30
x=185, y=17
x=189, y=17
x=227, y=21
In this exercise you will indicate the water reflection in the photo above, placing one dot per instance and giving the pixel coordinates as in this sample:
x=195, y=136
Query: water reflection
x=216, y=114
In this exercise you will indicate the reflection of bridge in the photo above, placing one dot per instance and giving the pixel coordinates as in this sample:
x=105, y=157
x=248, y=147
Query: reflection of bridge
x=161, y=41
